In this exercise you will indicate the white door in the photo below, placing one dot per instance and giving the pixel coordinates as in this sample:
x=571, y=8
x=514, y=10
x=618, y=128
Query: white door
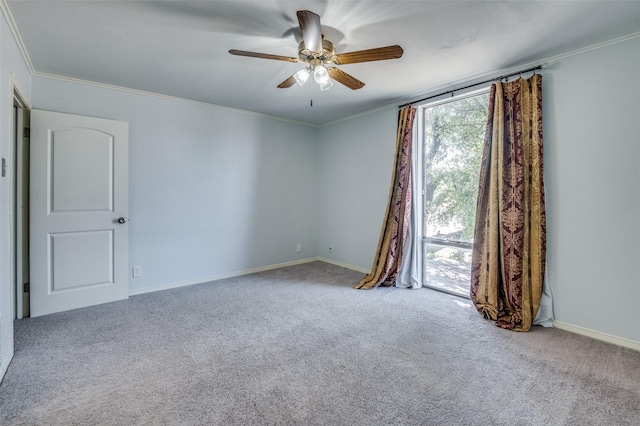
x=79, y=195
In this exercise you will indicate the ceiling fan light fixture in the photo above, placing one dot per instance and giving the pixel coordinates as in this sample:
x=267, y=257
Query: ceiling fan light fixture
x=326, y=85
x=302, y=76
x=315, y=51
x=321, y=76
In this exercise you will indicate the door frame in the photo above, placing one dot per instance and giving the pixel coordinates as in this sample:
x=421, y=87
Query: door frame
x=20, y=195
x=8, y=202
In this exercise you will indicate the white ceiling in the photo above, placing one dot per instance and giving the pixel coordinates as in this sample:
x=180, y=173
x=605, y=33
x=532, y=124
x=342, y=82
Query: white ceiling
x=180, y=48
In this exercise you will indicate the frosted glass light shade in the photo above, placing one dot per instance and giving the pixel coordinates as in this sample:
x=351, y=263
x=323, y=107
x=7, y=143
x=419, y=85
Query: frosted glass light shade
x=326, y=85
x=321, y=75
x=302, y=76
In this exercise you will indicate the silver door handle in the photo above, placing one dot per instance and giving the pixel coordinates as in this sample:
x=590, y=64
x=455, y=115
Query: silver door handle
x=123, y=220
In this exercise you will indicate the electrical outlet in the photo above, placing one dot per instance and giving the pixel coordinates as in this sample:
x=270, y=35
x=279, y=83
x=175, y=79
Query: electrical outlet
x=137, y=271
x=298, y=248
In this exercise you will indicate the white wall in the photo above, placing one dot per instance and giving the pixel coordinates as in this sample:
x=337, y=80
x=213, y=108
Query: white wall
x=212, y=191
x=10, y=63
x=216, y=191
x=592, y=135
x=356, y=161
x=591, y=113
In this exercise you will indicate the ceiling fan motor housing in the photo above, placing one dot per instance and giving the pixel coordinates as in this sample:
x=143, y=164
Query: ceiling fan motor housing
x=327, y=55
x=321, y=53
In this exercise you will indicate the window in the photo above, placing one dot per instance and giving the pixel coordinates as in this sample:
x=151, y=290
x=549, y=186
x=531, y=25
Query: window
x=453, y=137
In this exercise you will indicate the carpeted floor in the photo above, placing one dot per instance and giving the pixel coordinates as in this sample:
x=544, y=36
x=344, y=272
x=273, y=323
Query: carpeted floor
x=299, y=346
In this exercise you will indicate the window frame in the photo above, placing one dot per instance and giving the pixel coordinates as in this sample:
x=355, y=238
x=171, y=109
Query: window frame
x=422, y=108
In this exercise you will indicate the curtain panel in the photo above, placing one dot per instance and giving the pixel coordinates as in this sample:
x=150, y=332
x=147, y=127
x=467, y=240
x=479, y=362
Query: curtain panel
x=411, y=269
x=509, y=248
x=388, y=257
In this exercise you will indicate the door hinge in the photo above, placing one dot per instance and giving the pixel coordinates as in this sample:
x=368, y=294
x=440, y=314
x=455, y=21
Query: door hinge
x=4, y=167
x=25, y=288
x=27, y=133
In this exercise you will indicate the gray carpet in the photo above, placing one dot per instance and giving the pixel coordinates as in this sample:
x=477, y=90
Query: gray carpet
x=299, y=346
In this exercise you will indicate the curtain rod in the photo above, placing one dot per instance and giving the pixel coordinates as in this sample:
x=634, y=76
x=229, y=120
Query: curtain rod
x=539, y=67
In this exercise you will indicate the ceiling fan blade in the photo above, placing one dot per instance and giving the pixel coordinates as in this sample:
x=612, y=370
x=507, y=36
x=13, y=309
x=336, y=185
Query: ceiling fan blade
x=287, y=83
x=378, y=54
x=311, y=31
x=342, y=77
x=263, y=55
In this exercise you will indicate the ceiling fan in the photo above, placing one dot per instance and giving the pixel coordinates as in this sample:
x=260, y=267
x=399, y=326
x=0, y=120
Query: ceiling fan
x=319, y=55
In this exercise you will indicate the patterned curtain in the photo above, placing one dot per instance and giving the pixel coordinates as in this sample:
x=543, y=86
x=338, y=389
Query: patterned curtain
x=508, y=260
x=394, y=229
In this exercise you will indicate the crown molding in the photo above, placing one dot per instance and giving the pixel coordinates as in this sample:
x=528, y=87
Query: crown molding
x=485, y=76
x=16, y=35
x=596, y=46
x=27, y=60
x=450, y=86
x=168, y=97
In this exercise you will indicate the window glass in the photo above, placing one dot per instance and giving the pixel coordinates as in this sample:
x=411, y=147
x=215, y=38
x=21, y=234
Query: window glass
x=453, y=140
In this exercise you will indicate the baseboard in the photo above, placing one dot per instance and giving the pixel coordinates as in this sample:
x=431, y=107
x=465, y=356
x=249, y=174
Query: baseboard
x=5, y=365
x=344, y=265
x=620, y=341
x=202, y=280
